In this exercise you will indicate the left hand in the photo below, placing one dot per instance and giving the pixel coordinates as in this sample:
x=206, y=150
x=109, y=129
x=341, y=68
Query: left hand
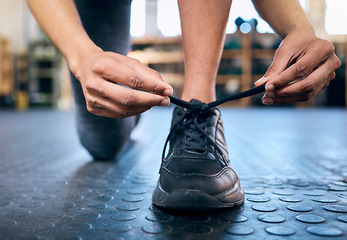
x=302, y=66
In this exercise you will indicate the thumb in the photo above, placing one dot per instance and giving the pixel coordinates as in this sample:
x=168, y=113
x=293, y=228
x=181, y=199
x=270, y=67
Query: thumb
x=278, y=65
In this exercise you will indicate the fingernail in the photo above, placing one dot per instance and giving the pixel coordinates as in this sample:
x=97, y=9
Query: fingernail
x=168, y=92
x=269, y=94
x=270, y=88
x=267, y=101
x=258, y=81
x=165, y=102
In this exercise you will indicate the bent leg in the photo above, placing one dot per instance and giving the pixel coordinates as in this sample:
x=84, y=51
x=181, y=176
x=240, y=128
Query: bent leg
x=107, y=23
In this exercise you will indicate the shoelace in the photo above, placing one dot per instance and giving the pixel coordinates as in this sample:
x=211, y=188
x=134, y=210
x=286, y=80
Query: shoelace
x=195, y=110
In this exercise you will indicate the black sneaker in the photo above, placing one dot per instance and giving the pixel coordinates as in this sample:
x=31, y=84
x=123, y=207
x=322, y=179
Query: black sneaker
x=194, y=174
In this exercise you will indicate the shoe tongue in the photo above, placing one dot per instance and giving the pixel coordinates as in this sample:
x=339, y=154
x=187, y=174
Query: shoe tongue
x=195, y=101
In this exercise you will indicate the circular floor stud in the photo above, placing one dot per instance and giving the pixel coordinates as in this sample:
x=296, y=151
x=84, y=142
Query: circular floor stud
x=258, y=199
x=315, y=193
x=14, y=196
x=88, y=216
x=132, y=198
x=264, y=207
x=77, y=227
x=299, y=183
x=290, y=199
x=335, y=208
x=97, y=206
x=310, y=218
x=280, y=230
x=159, y=217
x=37, y=226
x=254, y=192
x=30, y=205
x=62, y=205
x=128, y=207
x=342, y=218
x=324, y=200
x=341, y=184
x=196, y=219
x=4, y=203
x=42, y=197
x=154, y=229
x=103, y=198
x=52, y=214
x=117, y=228
x=299, y=207
x=283, y=192
x=197, y=229
x=336, y=188
x=17, y=213
x=122, y=216
x=324, y=231
x=271, y=218
x=239, y=230
x=235, y=218
x=136, y=191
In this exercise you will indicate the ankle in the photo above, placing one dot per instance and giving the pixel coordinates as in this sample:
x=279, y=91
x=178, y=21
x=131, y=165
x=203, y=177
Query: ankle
x=205, y=96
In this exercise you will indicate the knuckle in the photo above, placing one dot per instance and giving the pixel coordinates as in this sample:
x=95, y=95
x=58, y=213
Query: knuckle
x=135, y=81
x=328, y=46
x=91, y=101
x=99, y=66
x=124, y=112
x=282, y=94
x=127, y=99
x=270, y=71
x=91, y=85
x=300, y=71
x=308, y=89
x=92, y=109
x=157, y=75
x=337, y=63
x=135, y=61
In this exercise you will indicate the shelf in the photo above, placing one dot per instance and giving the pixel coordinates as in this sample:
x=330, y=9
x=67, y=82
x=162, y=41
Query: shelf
x=155, y=40
x=178, y=79
x=263, y=53
x=157, y=57
x=232, y=54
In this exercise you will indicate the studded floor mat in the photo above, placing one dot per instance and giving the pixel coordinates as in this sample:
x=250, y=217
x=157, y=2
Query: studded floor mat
x=292, y=164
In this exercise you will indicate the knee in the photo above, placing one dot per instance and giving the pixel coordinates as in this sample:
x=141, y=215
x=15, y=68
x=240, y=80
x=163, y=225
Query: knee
x=104, y=152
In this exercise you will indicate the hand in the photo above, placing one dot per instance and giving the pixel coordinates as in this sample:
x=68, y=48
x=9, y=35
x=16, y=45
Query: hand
x=100, y=72
x=303, y=65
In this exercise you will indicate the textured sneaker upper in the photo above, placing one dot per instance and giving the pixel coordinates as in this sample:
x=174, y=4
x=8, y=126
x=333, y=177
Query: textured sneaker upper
x=192, y=162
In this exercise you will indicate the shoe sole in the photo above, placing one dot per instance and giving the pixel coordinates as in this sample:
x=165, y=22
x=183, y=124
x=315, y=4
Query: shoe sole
x=197, y=200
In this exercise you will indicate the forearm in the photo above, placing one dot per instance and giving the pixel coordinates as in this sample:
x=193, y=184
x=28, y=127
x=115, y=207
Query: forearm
x=203, y=25
x=61, y=22
x=283, y=16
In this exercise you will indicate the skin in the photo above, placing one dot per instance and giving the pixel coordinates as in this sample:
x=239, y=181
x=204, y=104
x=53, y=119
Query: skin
x=99, y=71
x=311, y=60
x=203, y=25
x=303, y=64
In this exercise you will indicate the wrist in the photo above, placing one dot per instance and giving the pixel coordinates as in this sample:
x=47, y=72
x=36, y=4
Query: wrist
x=301, y=30
x=77, y=58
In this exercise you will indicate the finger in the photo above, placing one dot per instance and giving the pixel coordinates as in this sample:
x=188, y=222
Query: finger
x=109, y=68
x=312, y=83
x=153, y=80
x=105, y=112
x=278, y=65
x=284, y=100
x=300, y=69
x=129, y=97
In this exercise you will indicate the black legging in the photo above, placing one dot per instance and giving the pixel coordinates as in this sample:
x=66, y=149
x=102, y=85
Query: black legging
x=107, y=23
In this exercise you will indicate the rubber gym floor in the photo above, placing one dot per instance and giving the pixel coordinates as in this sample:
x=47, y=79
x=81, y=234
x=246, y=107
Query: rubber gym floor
x=292, y=164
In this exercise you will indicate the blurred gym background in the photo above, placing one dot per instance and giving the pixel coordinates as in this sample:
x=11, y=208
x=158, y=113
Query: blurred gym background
x=33, y=73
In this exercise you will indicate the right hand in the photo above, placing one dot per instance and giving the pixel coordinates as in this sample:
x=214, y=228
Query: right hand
x=99, y=74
